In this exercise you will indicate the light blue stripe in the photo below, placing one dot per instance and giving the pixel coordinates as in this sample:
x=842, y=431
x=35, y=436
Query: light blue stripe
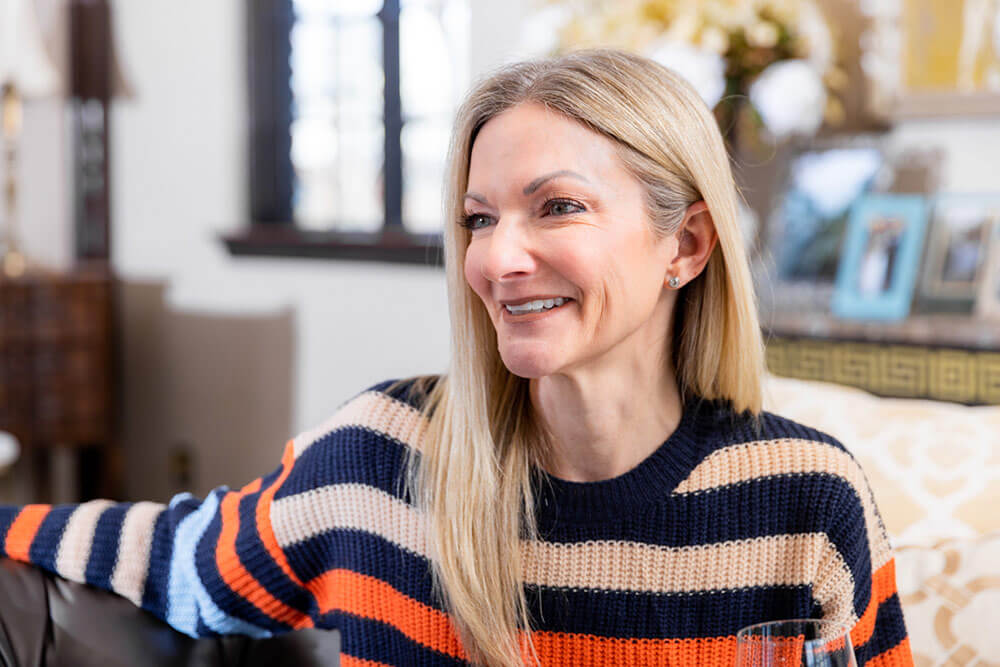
x=187, y=598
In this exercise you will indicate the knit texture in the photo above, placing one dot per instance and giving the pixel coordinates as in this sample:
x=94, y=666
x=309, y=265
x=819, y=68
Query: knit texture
x=721, y=527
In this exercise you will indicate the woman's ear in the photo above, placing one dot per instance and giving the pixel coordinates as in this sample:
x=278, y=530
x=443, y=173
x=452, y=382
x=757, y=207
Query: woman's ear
x=696, y=239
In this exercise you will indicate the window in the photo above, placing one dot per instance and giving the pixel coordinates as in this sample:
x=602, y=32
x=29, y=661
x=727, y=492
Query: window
x=351, y=105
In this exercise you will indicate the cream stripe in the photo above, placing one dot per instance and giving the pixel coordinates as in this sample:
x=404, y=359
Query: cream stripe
x=767, y=561
x=373, y=410
x=746, y=461
x=780, y=560
x=77, y=538
x=347, y=506
x=132, y=566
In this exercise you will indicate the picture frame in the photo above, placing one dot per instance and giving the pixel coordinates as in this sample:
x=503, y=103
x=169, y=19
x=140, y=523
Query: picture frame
x=956, y=260
x=808, y=219
x=880, y=262
x=988, y=298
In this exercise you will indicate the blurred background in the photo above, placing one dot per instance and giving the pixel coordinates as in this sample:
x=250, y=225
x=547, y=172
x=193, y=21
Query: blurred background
x=221, y=220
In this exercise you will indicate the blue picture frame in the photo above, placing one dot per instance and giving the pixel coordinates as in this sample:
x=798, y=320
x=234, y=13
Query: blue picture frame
x=880, y=260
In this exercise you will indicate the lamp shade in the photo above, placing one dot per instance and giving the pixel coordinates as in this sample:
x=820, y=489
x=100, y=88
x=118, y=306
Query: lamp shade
x=23, y=59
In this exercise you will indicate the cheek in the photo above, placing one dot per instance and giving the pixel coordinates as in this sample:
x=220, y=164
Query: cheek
x=473, y=274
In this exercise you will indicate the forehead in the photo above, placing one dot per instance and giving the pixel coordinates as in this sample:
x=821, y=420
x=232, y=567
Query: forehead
x=529, y=138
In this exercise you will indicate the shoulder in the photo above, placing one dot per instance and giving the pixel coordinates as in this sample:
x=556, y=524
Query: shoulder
x=366, y=441
x=390, y=408
x=785, y=466
x=774, y=451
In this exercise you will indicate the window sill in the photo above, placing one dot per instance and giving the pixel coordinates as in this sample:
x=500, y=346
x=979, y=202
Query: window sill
x=390, y=245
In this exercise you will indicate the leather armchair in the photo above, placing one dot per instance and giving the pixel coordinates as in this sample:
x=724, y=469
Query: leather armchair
x=47, y=621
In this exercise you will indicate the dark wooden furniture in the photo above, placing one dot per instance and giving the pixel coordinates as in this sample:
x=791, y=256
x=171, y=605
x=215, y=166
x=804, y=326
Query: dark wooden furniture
x=933, y=356
x=55, y=372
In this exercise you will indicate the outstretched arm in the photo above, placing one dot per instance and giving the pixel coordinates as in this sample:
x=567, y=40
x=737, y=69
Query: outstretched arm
x=206, y=567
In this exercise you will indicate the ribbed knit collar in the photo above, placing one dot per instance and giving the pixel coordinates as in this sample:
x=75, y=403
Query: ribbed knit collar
x=649, y=482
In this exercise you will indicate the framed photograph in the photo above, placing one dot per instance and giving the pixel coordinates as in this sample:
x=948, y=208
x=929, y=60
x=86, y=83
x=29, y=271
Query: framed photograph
x=988, y=299
x=957, y=249
x=878, y=269
x=807, y=226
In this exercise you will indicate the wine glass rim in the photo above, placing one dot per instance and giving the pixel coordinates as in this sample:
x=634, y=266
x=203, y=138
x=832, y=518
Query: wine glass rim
x=822, y=622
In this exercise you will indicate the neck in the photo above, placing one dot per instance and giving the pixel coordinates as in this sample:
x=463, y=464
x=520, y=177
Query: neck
x=604, y=424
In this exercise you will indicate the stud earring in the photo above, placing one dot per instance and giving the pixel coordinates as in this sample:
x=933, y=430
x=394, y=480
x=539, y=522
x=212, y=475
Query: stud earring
x=674, y=282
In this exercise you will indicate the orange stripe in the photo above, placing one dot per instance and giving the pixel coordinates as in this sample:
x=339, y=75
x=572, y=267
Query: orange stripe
x=351, y=661
x=558, y=648
x=883, y=587
x=22, y=532
x=264, y=528
x=898, y=656
x=239, y=580
x=368, y=597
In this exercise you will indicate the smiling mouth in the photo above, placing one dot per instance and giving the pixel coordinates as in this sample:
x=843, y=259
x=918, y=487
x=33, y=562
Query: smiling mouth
x=542, y=306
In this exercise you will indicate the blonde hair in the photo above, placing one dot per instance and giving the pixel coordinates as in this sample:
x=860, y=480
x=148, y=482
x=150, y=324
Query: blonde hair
x=473, y=478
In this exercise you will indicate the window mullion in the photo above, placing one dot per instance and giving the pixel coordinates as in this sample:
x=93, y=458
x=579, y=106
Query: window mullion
x=392, y=167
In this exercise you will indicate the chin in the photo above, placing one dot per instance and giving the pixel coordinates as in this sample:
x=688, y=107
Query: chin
x=528, y=367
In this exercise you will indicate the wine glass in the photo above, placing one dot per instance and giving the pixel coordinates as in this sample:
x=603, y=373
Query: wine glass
x=794, y=643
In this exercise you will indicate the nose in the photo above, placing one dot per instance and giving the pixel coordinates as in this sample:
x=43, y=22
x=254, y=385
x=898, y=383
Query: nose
x=509, y=251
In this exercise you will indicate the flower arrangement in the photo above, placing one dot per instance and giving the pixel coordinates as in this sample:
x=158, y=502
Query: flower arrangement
x=779, y=54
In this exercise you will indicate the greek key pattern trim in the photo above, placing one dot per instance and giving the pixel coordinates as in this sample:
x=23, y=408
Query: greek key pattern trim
x=971, y=377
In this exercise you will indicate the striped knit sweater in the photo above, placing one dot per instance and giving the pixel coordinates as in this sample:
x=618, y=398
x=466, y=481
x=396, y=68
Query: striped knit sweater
x=719, y=528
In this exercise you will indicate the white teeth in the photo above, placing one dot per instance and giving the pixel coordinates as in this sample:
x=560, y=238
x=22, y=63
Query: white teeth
x=536, y=306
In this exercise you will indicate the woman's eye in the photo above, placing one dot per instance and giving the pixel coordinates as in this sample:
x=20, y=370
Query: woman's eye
x=563, y=207
x=472, y=221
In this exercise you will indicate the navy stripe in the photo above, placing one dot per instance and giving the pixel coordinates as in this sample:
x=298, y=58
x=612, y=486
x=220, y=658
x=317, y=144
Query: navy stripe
x=406, y=392
x=154, y=595
x=258, y=561
x=104, y=553
x=760, y=507
x=351, y=454
x=8, y=514
x=664, y=615
x=775, y=426
x=372, y=640
x=223, y=596
x=202, y=630
x=890, y=631
x=367, y=554
x=45, y=547
x=768, y=506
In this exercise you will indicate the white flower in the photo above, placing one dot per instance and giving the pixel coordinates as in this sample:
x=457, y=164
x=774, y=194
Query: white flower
x=702, y=69
x=763, y=34
x=790, y=98
x=714, y=39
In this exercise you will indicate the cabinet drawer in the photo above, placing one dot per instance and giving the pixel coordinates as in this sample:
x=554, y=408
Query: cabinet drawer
x=69, y=311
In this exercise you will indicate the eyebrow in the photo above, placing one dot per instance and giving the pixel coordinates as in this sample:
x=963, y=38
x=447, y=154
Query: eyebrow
x=535, y=184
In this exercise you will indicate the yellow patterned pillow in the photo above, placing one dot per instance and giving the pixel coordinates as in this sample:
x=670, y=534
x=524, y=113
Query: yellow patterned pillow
x=950, y=594
x=934, y=466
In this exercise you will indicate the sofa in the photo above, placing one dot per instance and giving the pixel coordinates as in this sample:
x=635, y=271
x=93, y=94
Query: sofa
x=46, y=621
x=934, y=468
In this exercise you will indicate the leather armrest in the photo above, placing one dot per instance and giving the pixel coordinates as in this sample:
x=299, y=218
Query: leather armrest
x=46, y=621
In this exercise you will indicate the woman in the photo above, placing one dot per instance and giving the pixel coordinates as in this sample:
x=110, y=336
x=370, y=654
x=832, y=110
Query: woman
x=595, y=467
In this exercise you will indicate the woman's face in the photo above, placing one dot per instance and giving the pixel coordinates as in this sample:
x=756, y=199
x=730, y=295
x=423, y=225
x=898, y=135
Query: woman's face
x=554, y=213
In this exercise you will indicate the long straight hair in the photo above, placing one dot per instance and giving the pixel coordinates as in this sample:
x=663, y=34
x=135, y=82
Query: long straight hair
x=472, y=480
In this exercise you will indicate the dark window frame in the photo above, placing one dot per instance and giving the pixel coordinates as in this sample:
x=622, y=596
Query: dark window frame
x=272, y=231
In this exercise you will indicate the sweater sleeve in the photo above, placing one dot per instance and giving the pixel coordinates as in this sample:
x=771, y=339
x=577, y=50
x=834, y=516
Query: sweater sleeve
x=859, y=579
x=206, y=567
